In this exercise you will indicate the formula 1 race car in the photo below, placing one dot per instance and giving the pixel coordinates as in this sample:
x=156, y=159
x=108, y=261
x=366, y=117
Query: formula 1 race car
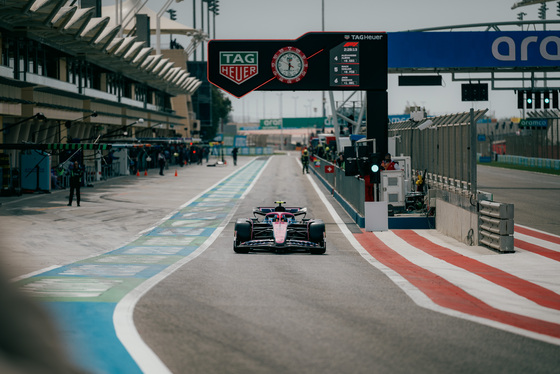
x=280, y=231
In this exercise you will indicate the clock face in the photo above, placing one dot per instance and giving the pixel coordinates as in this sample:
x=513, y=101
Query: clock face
x=289, y=65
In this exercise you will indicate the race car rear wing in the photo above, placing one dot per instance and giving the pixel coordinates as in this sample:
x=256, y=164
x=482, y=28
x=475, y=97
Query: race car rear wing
x=263, y=211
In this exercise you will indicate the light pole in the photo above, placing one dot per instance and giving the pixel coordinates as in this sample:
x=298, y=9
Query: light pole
x=211, y=6
x=158, y=24
x=323, y=30
x=215, y=9
x=295, y=105
x=264, y=105
x=281, y=123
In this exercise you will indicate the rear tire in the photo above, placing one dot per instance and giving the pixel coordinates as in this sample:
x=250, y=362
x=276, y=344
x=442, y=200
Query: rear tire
x=317, y=235
x=236, y=249
x=319, y=251
x=243, y=234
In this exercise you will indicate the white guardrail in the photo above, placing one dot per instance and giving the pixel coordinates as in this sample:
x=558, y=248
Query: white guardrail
x=496, y=225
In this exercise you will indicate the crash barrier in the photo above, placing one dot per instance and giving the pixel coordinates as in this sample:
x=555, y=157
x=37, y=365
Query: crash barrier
x=544, y=163
x=348, y=191
x=442, y=182
x=89, y=175
x=110, y=170
x=63, y=181
x=496, y=225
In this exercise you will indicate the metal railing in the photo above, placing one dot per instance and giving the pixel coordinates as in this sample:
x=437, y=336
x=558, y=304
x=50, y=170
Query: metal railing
x=350, y=189
x=441, y=149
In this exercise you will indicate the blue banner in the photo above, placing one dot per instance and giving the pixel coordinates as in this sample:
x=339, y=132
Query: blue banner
x=473, y=49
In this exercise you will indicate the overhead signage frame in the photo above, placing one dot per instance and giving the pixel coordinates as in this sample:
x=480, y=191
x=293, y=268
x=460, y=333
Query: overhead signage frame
x=316, y=61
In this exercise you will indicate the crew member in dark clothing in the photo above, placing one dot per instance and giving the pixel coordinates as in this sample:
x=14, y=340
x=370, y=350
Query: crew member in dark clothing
x=234, y=155
x=305, y=161
x=75, y=182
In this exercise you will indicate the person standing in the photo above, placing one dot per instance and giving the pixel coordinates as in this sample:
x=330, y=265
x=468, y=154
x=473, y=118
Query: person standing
x=389, y=164
x=161, y=162
x=305, y=161
x=234, y=154
x=76, y=174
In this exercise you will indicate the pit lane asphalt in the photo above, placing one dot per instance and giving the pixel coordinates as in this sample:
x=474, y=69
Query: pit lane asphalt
x=39, y=231
x=297, y=313
x=293, y=313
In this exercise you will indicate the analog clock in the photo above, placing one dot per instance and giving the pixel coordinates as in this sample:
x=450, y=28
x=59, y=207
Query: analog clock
x=289, y=65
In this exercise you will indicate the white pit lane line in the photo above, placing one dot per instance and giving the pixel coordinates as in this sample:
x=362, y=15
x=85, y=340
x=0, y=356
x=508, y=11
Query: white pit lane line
x=414, y=293
x=123, y=321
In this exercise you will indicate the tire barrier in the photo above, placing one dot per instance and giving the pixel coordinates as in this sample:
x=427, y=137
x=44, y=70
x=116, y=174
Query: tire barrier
x=496, y=226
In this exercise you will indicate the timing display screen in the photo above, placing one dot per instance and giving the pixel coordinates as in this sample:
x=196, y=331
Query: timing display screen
x=313, y=62
x=345, y=65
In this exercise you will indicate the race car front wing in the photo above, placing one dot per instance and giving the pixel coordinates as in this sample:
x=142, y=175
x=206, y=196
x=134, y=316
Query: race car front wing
x=289, y=244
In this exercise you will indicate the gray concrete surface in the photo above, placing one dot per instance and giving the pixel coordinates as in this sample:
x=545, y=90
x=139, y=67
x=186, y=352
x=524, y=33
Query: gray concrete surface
x=536, y=196
x=39, y=230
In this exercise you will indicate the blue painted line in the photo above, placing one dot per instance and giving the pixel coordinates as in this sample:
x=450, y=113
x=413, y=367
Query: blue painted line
x=86, y=314
x=198, y=215
x=181, y=231
x=78, y=270
x=154, y=250
x=90, y=335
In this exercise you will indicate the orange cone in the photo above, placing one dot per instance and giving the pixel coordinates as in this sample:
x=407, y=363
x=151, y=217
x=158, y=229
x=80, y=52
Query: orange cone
x=146, y=172
x=175, y=172
x=137, y=173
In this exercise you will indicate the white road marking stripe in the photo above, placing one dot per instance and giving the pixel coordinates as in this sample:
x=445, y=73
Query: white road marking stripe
x=146, y=359
x=546, y=277
x=414, y=293
x=496, y=296
x=536, y=241
x=540, y=231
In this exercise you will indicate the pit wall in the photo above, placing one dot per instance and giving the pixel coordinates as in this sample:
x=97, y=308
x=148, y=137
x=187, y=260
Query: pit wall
x=456, y=215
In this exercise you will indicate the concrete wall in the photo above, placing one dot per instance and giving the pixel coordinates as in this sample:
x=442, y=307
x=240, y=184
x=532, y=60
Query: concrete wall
x=456, y=216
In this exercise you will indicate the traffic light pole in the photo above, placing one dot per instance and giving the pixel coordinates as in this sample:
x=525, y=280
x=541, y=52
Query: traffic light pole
x=377, y=127
x=377, y=118
x=473, y=155
x=158, y=25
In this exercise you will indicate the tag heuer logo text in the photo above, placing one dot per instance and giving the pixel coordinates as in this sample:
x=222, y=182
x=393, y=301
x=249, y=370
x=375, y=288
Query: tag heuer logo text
x=239, y=66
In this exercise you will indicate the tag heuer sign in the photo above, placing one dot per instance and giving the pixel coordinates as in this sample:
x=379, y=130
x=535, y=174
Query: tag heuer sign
x=239, y=66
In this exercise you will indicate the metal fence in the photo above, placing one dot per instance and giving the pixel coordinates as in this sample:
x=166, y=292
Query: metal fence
x=440, y=148
x=351, y=189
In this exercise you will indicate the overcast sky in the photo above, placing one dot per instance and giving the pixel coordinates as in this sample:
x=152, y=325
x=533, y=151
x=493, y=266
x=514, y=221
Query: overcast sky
x=289, y=19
